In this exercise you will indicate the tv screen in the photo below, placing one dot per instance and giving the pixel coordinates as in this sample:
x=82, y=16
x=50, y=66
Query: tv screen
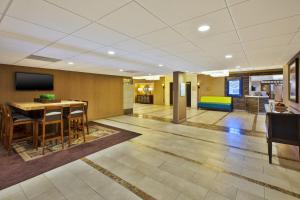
x=31, y=81
x=234, y=87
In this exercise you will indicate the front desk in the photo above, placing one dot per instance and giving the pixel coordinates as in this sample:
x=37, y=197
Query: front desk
x=256, y=104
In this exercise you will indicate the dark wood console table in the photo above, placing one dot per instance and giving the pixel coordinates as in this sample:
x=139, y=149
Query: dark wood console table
x=144, y=99
x=282, y=128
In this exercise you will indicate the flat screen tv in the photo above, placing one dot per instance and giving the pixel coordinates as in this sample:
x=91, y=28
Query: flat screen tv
x=33, y=81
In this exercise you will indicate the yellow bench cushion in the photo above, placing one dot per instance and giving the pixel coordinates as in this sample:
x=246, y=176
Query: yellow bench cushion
x=215, y=99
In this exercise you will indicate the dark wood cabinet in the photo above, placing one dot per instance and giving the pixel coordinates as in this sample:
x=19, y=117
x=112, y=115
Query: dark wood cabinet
x=282, y=128
x=144, y=99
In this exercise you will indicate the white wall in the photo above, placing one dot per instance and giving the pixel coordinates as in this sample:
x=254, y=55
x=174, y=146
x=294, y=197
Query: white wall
x=193, y=79
x=128, y=93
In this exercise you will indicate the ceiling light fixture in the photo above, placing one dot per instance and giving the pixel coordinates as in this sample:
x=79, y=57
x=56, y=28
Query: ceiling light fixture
x=70, y=63
x=238, y=67
x=111, y=53
x=160, y=65
x=150, y=74
x=203, y=28
x=228, y=56
x=121, y=70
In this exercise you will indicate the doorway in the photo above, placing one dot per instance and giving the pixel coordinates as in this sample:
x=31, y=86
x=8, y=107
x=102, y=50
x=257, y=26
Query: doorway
x=171, y=93
x=188, y=88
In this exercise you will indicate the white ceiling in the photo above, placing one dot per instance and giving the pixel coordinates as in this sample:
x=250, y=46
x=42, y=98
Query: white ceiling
x=145, y=33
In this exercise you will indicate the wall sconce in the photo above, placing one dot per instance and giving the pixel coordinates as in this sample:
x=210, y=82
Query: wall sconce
x=163, y=85
x=140, y=89
x=198, y=84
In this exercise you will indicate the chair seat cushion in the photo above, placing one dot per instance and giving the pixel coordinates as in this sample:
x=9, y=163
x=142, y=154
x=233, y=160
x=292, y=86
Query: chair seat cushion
x=53, y=113
x=76, y=112
x=21, y=118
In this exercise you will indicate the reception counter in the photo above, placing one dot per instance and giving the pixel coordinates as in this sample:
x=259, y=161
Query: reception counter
x=256, y=104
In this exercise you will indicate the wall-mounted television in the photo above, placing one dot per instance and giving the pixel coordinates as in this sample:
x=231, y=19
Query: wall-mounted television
x=33, y=81
x=234, y=87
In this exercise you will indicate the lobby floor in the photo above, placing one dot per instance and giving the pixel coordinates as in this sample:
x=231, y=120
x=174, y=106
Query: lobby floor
x=171, y=161
x=239, y=120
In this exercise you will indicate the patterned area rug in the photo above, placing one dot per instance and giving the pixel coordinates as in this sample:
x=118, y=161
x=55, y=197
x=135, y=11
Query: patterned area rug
x=27, y=152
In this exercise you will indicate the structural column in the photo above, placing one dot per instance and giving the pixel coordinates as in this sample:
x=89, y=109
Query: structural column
x=179, y=97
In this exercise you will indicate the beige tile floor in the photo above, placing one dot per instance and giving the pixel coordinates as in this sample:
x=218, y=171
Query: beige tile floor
x=236, y=119
x=171, y=161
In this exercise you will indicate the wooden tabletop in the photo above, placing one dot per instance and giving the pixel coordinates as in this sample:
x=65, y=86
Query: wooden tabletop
x=28, y=106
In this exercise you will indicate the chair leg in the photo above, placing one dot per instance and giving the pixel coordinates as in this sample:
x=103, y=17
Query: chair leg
x=62, y=134
x=43, y=138
x=69, y=132
x=36, y=135
x=83, y=132
x=270, y=151
x=86, y=123
x=10, y=138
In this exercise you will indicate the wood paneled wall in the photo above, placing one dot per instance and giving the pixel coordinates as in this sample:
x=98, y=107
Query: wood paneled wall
x=104, y=92
x=211, y=86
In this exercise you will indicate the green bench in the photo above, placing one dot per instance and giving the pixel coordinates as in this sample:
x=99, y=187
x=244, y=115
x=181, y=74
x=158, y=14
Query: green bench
x=216, y=103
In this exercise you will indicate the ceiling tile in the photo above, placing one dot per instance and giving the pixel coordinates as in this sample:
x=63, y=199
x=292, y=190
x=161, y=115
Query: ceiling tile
x=132, y=20
x=32, y=63
x=3, y=4
x=221, y=50
x=265, y=11
x=132, y=46
x=181, y=48
x=296, y=39
x=62, y=50
x=14, y=48
x=100, y=34
x=29, y=30
x=282, y=40
x=79, y=44
x=45, y=14
x=91, y=9
x=175, y=11
x=162, y=37
x=232, y=2
x=265, y=57
x=219, y=22
x=278, y=27
x=217, y=40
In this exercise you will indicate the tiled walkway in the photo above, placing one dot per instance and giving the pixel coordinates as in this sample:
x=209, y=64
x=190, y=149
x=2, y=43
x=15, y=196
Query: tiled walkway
x=175, y=162
x=235, y=120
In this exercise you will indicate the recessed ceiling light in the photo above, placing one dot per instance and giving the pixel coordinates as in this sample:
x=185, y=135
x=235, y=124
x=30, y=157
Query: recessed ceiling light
x=186, y=71
x=70, y=63
x=228, y=56
x=203, y=28
x=121, y=70
x=238, y=67
x=160, y=65
x=111, y=52
x=150, y=74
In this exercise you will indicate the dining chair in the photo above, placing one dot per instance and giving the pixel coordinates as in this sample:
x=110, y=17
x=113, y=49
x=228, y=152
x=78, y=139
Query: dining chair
x=75, y=122
x=11, y=120
x=52, y=115
x=86, y=120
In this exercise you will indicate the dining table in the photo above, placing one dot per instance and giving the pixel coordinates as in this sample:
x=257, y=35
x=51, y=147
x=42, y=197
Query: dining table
x=33, y=106
x=34, y=109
